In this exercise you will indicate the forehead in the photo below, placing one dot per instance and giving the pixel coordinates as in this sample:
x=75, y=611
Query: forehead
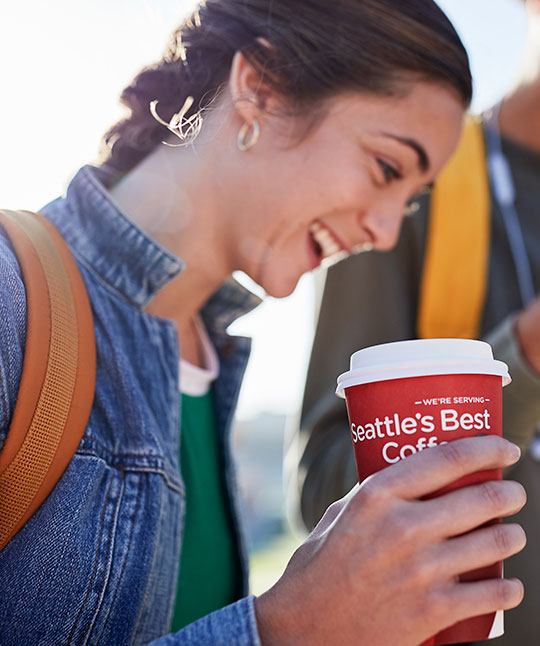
x=428, y=114
x=418, y=99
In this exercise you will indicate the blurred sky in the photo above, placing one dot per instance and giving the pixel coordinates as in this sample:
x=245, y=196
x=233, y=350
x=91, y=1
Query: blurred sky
x=63, y=64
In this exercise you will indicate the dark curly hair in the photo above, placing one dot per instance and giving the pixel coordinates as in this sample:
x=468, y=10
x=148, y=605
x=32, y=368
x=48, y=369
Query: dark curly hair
x=317, y=49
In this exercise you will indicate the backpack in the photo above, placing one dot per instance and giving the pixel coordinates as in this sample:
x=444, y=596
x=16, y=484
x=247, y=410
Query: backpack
x=57, y=384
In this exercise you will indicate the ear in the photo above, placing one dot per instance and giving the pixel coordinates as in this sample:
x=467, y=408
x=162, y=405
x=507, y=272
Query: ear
x=251, y=96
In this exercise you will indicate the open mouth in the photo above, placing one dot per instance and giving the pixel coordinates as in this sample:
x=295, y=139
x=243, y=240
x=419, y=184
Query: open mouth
x=325, y=245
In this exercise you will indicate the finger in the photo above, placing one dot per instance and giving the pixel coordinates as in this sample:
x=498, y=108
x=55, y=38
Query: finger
x=429, y=470
x=464, y=509
x=478, y=549
x=465, y=600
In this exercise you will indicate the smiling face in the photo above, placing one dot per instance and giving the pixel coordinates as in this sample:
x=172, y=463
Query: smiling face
x=344, y=185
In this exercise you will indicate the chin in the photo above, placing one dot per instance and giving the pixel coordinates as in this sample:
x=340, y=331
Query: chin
x=279, y=288
x=277, y=281
x=281, y=293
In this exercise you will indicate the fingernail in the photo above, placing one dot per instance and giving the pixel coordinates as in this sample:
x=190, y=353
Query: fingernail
x=515, y=452
x=518, y=585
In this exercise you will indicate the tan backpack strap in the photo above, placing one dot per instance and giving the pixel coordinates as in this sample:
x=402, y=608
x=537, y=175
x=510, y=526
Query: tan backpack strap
x=59, y=368
x=454, y=279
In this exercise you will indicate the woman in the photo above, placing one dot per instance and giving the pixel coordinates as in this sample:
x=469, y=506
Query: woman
x=306, y=127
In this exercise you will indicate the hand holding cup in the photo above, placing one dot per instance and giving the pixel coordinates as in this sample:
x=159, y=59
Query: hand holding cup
x=382, y=566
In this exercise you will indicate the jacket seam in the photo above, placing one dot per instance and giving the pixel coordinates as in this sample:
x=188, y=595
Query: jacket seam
x=96, y=559
x=139, y=489
x=123, y=467
x=136, y=468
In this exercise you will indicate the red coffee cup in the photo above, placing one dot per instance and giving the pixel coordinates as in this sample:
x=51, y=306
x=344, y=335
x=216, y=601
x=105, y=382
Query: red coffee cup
x=408, y=396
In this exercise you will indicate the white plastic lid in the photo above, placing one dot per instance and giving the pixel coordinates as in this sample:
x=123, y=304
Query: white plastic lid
x=420, y=358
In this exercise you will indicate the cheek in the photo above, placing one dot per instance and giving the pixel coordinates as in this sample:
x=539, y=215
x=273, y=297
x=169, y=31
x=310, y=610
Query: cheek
x=340, y=187
x=302, y=192
x=351, y=189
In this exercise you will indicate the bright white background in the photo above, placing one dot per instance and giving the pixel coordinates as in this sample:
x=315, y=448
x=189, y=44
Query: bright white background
x=63, y=64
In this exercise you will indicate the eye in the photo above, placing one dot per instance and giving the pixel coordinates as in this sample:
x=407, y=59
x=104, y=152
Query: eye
x=390, y=173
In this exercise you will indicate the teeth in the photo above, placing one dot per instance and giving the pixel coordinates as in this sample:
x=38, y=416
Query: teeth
x=335, y=258
x=324, y=239
x=360, y=248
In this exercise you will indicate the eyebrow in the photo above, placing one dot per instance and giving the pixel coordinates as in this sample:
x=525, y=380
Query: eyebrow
x=423, y=159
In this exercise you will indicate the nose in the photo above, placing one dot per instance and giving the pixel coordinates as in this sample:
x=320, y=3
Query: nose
x=383, y=222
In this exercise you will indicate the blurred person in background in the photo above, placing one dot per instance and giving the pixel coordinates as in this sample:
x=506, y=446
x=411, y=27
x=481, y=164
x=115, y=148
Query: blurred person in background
x=306, y=128
x=376, y=297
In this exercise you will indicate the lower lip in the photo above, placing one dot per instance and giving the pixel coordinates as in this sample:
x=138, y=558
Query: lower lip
x=314, y=259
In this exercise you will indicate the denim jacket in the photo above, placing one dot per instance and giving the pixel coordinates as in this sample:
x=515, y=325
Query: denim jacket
x=98, y=562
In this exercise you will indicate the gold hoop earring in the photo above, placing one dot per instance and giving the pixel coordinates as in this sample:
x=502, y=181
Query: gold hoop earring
x=241, y=141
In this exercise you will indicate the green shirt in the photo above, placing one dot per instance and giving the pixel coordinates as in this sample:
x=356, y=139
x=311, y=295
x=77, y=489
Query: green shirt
x=209, y=576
